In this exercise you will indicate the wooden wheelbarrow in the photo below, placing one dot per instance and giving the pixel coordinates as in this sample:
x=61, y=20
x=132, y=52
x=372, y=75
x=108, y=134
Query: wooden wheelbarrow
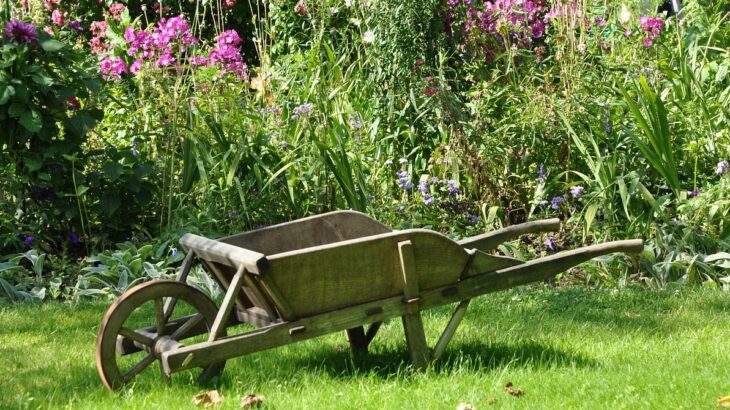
x=310, y=277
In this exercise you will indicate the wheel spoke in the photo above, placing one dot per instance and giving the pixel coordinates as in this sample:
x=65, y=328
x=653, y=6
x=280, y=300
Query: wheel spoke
x=138, y=367
x=182, y=331
x=170, y=304
x=137, y=337
x=159, y=317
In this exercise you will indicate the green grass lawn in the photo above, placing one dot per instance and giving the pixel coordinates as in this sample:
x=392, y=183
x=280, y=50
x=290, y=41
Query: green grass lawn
x=567, y=348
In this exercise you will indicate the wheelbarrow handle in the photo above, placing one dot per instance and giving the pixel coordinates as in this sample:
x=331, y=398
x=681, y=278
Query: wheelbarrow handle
x=491, y=240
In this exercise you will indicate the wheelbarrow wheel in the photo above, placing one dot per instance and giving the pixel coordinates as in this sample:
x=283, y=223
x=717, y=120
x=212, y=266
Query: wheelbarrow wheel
x=127, y=344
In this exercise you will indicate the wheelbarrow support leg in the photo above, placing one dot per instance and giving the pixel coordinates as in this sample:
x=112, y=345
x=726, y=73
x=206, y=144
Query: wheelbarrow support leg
x=412, y=322
x=448, y=333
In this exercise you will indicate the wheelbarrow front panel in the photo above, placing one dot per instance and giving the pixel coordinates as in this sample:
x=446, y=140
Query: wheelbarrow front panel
x=330, y=277
x=308, y=232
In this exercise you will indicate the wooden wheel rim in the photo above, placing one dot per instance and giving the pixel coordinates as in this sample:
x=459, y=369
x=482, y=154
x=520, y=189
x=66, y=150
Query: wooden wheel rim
x=117, y=314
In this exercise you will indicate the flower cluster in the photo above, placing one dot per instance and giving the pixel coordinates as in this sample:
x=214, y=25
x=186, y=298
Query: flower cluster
x=166, y=44
x=497, y=23
x=425, y=189
x=722, y=167
x=227, y=54
x=167, y=39
x=652, y=28
x=113, y=67
x=97, y=43
x=21, y=32
x=404, y=179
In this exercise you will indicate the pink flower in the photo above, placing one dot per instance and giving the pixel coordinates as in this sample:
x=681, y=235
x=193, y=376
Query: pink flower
x=116, y=10
x=112, y=67
x=136, y=66
x=57, y=17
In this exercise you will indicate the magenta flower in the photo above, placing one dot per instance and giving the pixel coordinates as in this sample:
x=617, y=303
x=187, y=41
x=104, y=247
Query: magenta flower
x=112, y=68
x=21, y=32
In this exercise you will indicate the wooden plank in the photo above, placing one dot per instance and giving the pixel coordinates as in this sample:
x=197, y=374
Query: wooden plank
x=450, y=329
x=280, y=301
x=256, y=316
x=482, y=263
x=412, y=322
x=224, y=312
x=491, y=240
x=308, y=232
x=256, y=295
x=224, y=253
x=329, y=277
x=182, y=276
x=201, y=354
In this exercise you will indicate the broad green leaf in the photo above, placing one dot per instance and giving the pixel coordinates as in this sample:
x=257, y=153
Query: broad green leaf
x=110, y=204
x=6, y=93
x=51, y=45
x=113, y=170
x=31, y=121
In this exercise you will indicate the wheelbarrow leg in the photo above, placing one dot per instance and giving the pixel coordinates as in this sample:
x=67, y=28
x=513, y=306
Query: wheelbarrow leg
x=412, y=322
x=359, y=339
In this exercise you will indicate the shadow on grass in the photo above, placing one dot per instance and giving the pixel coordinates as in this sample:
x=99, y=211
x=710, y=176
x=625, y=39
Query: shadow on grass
x=458, y=356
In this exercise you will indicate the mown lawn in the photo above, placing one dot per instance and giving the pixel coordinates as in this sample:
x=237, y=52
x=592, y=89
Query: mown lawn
x=567, y=348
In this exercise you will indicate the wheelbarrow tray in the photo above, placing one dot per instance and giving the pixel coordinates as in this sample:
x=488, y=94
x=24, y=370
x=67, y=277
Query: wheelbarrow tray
x=343, y=270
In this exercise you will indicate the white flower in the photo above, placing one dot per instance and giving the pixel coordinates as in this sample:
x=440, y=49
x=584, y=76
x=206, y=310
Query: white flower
x=625, y=15
x=349, y=3
x=368, y=37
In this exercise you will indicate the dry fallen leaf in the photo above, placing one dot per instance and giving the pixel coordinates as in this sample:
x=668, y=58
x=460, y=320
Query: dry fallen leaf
x=465, y=406
x=515, y=391
x=252, y=400
x=491, y=400
x=208, y=399
x=724, y=402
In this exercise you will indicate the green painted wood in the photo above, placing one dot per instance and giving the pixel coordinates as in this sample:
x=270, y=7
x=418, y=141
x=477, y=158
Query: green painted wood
x=450, y=329
x=308, y=232
x=412, y=321
x=201, y=354
x=491, y=240
x=329, y=277
x=483, y=262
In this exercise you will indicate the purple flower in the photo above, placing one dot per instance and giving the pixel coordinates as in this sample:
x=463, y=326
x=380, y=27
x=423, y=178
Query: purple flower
x=427, y=199
x=576, y=191
x=721, y=167
x=28, y=240
x=541, y=171
x=76, y=26
x=113, y=67
x=135, y=152
x=21, y=32
x=388, y=162
x=74, y=238
x=305, y=108
x=664, y=187
x=233, y=214
x=694, y=193
x=556, y=202
x=550, y=244
x=402, y=161
x=423, y=185
x=473, y=219
x=453, y=189
x=543, y=202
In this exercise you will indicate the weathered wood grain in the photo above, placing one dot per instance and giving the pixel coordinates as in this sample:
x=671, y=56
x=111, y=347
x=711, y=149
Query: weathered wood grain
x=412, y=322
x=308, y=232
x=352, y=316
x=361, y=270
x=491, y=240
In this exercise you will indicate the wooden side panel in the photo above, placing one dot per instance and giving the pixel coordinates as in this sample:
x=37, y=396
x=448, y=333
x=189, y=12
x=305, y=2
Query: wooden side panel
x=484, y=263
x=329, y=277
x=307, y=232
